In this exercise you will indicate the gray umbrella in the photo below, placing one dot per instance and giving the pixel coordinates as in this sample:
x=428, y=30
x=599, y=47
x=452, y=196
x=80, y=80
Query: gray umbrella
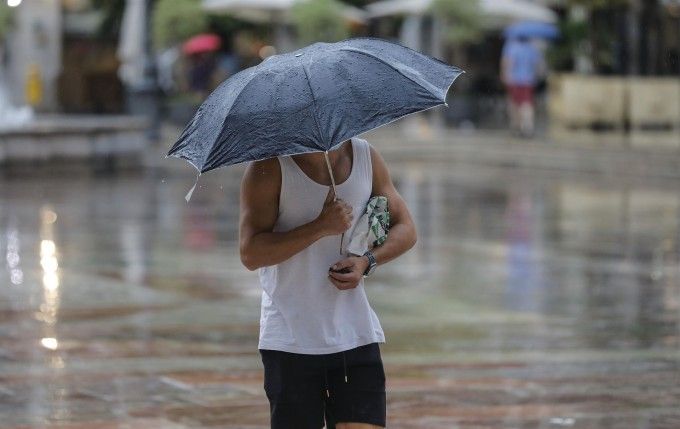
x=311, y=100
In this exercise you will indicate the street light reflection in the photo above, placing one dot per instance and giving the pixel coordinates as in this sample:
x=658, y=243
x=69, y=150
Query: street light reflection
x=49, y=308
x=49, y=343
x=16, y=274
x=49, y=264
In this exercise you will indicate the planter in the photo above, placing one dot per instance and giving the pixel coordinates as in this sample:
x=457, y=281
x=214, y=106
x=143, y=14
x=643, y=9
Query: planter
x=583, y=101
x=654, y=103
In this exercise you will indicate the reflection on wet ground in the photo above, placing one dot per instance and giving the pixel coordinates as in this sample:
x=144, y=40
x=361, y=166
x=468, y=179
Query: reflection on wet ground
x=529, y=302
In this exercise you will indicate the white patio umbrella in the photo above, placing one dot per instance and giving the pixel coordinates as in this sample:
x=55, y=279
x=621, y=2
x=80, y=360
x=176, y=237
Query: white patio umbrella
x=503, y=12
x=498, y=12
x=272, y=11
x=261, y=10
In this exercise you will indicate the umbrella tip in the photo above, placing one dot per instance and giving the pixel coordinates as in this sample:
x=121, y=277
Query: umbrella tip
x=187, y=197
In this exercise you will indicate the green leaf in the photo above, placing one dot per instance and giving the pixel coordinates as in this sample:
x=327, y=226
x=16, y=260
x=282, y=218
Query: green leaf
x=6, y=15
x=462, y=19
x=319, y=21
x=174, y=21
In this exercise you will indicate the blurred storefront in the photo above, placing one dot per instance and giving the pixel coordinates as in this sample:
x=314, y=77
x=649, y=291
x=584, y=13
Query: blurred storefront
x=58, y=60
x=33, y=57
x=89, y=79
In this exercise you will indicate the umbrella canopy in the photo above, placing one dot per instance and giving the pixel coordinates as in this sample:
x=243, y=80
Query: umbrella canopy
x=311, y=100
x=496, y=12
x=531, y=30
x=202, y=43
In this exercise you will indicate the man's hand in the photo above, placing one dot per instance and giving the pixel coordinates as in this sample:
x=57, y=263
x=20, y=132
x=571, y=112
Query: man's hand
x=355, y=266
x=335, y=217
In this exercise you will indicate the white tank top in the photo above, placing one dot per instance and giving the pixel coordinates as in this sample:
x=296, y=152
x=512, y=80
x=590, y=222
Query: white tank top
x=302, y=311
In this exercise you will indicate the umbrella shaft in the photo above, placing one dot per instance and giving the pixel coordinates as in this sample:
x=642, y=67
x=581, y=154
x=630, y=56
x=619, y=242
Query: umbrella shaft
x=335, y=194
x=330, y=172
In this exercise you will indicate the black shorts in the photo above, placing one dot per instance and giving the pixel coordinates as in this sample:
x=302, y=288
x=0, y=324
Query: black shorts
x=306, y=390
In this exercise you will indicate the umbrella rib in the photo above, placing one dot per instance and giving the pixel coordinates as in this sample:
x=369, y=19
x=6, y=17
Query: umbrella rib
x=316, y=118
x=423, y=84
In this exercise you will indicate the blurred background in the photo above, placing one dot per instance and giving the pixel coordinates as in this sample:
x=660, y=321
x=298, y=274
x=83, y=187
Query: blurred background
x=544, y=290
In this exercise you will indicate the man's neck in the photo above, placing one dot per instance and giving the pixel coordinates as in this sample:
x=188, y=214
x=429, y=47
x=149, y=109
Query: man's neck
x=316, y=160
x=314, y=164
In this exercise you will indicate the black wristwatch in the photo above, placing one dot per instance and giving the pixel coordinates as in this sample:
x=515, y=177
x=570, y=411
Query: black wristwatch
x=372, y=263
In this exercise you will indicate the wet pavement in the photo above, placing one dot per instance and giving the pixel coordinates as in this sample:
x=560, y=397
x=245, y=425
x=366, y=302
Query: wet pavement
x=531, y=301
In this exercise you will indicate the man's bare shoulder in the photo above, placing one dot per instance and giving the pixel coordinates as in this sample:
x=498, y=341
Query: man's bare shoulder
x=263, y=175
x=372, y=149
x=377, y=160
x=264, y=167
x=265, y=170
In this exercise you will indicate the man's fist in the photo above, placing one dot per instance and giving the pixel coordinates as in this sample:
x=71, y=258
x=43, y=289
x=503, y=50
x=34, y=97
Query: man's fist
x=336, y=216
x=347, y=273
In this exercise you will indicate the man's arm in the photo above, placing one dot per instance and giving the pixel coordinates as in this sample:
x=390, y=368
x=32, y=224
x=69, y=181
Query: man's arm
x=259, y=245
x=402, y=233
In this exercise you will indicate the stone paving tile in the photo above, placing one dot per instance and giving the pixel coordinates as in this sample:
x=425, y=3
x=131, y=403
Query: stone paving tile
x=540, y=302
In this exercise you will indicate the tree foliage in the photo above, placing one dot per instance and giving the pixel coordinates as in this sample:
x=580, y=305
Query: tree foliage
x=176, y=20
x=572, y=34
x=359, y=3
x=5, y=20
x=462, y=19
x=112, y=10
x=319, y=21
x=599, y=4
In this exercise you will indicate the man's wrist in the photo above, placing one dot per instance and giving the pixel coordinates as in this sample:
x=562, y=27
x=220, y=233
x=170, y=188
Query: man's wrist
x=364, y=263
x=317, y=229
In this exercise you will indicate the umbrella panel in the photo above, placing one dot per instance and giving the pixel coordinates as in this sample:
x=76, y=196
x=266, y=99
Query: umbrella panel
x=276, y=114
x=311, y=100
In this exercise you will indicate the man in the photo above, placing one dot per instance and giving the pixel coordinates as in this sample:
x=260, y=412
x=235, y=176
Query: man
x=521, y=64
x=318, y=334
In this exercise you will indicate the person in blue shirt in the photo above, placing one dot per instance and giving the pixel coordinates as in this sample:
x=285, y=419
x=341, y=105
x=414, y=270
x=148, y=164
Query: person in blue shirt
x=521, y=66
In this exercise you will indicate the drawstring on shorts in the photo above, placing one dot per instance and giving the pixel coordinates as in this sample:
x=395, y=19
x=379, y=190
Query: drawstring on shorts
x=325, y=373
x=325, y=376
x=344, y=366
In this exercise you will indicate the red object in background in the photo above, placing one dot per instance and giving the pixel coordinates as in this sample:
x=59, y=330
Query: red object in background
x=202, y=43
x=521, y=94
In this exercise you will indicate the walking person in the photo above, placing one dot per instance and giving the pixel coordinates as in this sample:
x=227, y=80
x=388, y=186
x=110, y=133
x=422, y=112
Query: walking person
x=306, y=186
x=521, y=65
x=319, y=337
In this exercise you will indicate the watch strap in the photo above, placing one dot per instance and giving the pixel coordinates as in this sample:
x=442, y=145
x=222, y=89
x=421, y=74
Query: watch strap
x=371, y=263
